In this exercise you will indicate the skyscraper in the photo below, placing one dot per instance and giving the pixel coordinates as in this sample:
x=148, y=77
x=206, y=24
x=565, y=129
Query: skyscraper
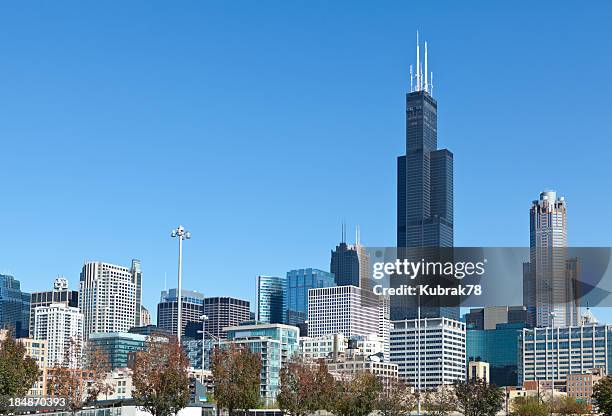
x=298, y=283
x=350, y=264
x=549, y=278
x=424, y=185
x=59, y=294
x=14, y=306
x=62, y=327
x=136, y=273
x=271, y=299
x=167, y=309
x=107, y=298
x=222, y=312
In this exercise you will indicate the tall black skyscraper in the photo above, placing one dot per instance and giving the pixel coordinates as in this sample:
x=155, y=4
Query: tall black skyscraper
x=350, y=263
x=424, y=185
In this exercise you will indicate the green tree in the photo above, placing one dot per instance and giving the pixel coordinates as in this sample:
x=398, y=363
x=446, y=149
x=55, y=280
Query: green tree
x=355, y=396
x=602, y=394
x=395, y=398
x=477, y=398
x=528, y=406
x=440, y=402
x=236, y=371
x=18, y=373
x=161, y=381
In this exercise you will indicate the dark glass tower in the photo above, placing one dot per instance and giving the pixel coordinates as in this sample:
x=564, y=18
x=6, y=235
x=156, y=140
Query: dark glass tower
x=424, y=189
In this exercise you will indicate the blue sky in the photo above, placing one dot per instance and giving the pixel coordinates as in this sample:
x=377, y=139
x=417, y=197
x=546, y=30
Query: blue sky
x=261, y=126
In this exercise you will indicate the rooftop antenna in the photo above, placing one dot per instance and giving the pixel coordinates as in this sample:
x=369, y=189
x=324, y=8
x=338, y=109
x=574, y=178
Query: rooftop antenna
x=431, y=83
x=418, y=65
x=411, y=89
x=343, y=232
x=426, y=83
x=357, y=235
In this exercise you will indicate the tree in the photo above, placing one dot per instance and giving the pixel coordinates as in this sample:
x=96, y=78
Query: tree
x=236, y=372
x=161, y=381
x=529, y=406
x=569, y=406
x=477, y=398
x=440, y=402
x=395, y=398
x=17, y=372
x=81, y=376
x=297, y=394
x=602, y=394
x=355, y=396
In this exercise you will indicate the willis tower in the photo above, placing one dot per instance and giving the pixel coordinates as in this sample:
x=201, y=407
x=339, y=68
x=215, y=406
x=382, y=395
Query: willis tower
x=424, y=186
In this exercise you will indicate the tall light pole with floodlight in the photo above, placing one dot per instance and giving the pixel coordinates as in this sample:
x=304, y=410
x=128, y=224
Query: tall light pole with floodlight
x=181, y=234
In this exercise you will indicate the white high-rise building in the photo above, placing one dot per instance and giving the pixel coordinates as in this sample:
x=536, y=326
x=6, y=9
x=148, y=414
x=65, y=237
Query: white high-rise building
x=549, y=278
x=108, y=297
x=347, y=310
x=62, y=327
x=429, y=352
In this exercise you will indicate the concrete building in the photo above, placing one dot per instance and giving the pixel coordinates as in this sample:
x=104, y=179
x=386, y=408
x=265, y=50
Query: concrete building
x=479, y=370
x=120, y=382
x=552, y=354
x=108, y=297
x=348, y=367
x=167, y=309
x=580, y=385
x=549, y=279
x=61, y=326
x=429, y=352
x=59, y=294
x=224, y=311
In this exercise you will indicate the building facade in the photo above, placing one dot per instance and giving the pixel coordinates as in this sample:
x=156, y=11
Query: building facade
x=117, y=346
x=299, y=282
x=552, y=354
x=107, y=297
x=424, y=190
x=429, y=352
x=490, y=316
x=549, y=278
x=500, y=348
x=346, y=310
x=224, y=311
x=61, y=326
x=350, y=264
x=59, y=294
x=276, y=344
x=192, y=305
x=14, y=307
x=271, y=299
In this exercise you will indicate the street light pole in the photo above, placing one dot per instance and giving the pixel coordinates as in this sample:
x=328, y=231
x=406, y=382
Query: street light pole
x=181, y=234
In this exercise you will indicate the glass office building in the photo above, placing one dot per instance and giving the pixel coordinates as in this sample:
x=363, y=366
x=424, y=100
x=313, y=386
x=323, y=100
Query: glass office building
x=117, y=346
x=14, y=307
x=424, y=192
x=298, y=283
x=276, y=345
x=552, y=354
x=271, y=291
x=500, y=348
x=192, y=304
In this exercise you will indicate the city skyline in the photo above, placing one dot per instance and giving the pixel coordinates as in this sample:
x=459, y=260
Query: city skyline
x=59, y=229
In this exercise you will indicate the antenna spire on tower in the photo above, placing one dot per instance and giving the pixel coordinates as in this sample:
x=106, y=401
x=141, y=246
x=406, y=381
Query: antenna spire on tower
x=426, y=84
x=418, y=64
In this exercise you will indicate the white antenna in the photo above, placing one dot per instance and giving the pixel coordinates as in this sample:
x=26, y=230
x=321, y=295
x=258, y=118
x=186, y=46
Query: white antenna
x=411, y=79
x=421, y=78
x=426, y=86
x=357, y=235
x=418, y=65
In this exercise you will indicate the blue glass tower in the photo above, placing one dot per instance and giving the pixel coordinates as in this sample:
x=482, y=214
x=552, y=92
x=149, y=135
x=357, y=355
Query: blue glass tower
x=271, y=291
x=298, y=283
x=14, y=307
x=424, y=187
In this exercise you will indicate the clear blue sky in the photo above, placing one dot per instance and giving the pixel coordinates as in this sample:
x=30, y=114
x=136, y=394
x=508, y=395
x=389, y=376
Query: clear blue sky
x=262, y=125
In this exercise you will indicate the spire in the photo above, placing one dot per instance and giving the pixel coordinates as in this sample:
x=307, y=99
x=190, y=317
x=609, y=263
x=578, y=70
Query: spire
x=426, y=83
x=357, y=235
x=422, y=78
x=418, y=64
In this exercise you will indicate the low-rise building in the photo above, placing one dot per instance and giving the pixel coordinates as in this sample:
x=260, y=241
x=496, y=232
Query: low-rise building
x=351, y=366
x=580, y=385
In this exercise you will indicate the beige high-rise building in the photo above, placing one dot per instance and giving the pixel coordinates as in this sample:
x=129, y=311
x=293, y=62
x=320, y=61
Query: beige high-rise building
x=549, y=279
x=108, y=297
